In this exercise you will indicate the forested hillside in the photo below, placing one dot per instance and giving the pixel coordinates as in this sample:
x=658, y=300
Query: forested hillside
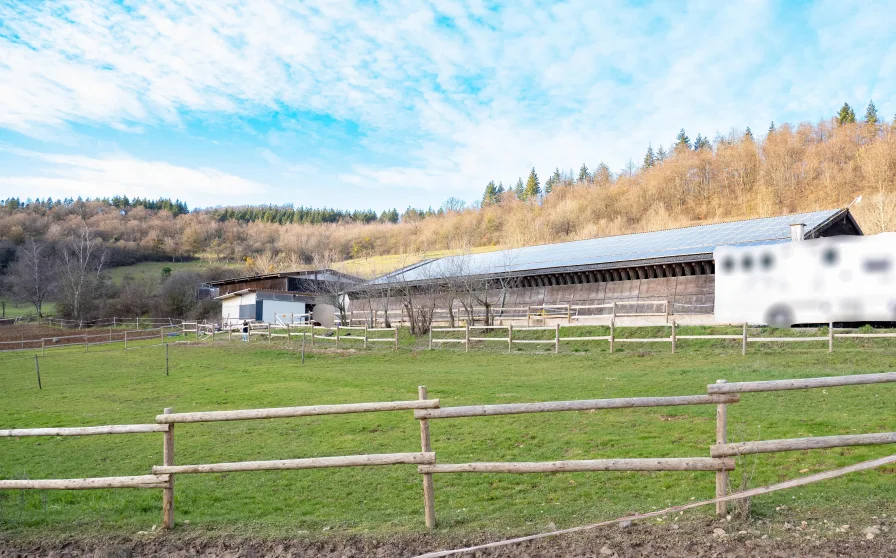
x=741, y=175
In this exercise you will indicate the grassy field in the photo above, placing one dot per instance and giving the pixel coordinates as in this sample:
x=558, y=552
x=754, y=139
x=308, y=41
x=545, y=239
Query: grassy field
x=110, y=386
x=15, y=309
x=117, y=274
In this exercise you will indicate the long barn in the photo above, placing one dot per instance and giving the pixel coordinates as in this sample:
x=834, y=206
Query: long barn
x=672, y=266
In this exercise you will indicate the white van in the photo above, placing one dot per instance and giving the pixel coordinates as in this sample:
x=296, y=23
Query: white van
x=837, y=279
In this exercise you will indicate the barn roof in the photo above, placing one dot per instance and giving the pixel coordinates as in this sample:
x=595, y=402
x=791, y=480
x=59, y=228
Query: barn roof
x=672, y=245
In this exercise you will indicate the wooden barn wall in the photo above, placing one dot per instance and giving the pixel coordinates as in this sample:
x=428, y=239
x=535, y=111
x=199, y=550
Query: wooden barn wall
x=693, y=294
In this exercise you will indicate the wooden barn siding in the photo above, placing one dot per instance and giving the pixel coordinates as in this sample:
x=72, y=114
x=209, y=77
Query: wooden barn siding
x=686, y=290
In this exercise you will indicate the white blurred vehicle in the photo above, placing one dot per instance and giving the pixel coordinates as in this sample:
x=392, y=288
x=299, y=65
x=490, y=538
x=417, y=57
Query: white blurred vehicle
x=836, y=279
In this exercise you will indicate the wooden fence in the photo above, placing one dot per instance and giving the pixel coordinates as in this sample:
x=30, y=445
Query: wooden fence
x=720, y=460
x=673, y=338
x=88, y=339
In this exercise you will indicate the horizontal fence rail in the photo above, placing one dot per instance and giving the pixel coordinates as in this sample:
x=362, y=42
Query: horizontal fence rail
x=799, y=444
x=655, y=464
x=141, y=481
x=804, y=383
x=576, y=405
x=305, y=463
x=284, y=412
x=84, y=430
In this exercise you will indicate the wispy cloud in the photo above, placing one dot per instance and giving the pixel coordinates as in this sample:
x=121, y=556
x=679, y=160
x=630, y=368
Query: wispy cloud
x=75, y=175
x=444, y=94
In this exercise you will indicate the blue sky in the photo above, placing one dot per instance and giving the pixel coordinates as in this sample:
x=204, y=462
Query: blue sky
x=387, y=104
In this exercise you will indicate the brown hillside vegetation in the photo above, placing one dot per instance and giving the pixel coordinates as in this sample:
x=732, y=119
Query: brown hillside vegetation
x=802, y=168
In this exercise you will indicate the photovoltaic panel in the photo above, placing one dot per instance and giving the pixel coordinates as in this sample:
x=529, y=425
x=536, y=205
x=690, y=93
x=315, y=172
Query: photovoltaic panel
x=698, y=240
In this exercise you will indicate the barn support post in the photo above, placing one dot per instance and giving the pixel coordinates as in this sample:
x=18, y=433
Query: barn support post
x=721, y=438
x=429, y=502
x=831, y=337
x=168, y=460
x=743, y=348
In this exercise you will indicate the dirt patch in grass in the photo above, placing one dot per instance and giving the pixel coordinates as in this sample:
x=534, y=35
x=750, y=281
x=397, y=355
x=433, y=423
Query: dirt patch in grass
x=700, y=538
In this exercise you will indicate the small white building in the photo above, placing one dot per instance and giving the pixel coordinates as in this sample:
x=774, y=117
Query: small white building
x=289, y=297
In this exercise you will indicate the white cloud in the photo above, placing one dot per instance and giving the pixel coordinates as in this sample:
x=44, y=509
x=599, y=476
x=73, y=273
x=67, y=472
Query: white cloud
x=488, y=97
x=74, y=175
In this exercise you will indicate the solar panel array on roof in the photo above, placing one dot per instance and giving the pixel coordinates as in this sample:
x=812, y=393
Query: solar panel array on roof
x=699, y=240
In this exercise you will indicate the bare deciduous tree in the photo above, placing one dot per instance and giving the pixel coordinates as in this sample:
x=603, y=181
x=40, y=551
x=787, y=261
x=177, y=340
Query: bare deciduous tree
x=81, y=261
x=32, y=276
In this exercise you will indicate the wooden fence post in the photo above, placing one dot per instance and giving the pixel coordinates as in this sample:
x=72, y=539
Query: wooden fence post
x=568, y=313
x=831, y=337
x=556, y=338
x=528, y=316
x=125, y=338
x=430, y=337
x=86, y=344
x=612, y=333
x=721, y=438
x=166, y=359
x=510, y=338
x=337, y=336
x=303, y=347
x=673, y=337
x=110, y=335
x=168, y=460
x=365, y=335
x=396, y=337
x=743, y=349
x=614, y=311
x=23, y=341
x=37, y=368
x=467, y=338
x=42, y=346
x=667, y=315
x=312, y=335
x=162, y=334
x=429, y=502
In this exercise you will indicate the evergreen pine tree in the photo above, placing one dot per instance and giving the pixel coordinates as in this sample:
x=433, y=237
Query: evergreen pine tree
x=748, y=134
x=660, y=154
x=871, y=113
x=846, y=115
x=771, y=127
x=649, y=157
x=533, y=187
x=556, y=178
x=682, y=141
x=519, y=189
x=499, y=192
x=490, y=195
x=583, y=174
